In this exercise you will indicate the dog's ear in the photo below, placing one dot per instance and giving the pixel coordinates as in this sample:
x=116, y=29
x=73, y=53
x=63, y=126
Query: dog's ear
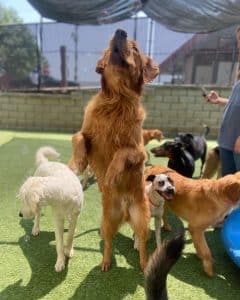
x=179, y=144
x=189, y=135
x=232, y=190
x=150, y=70
x=101, y=63
x=150, y=178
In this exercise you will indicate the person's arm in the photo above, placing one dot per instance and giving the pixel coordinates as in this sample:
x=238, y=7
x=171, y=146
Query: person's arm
x=214, y=98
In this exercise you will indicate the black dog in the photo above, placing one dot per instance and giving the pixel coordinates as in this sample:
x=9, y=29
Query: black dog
x=180, y=159
x=159, y=265
x=196, y=145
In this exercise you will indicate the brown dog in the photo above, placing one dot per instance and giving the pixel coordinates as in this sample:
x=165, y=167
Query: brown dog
x=212, y=165
x=202, y=203
x=150, y=134
x=111, y=141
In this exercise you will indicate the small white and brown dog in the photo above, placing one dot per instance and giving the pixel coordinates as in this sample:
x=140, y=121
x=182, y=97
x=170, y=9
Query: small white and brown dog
x=54, y=184
x=161, y=188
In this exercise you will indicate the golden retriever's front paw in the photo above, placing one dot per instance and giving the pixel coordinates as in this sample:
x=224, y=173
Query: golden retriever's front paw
x=60, y=264
x=68, y=252
x=105, y=266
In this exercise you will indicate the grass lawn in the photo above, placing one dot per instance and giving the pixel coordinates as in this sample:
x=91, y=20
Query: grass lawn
x=27, y=263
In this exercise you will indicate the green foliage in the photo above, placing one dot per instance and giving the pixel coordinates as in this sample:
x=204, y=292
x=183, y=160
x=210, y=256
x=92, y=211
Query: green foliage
x=17, y=50
x=17, y=45
x=8, y=16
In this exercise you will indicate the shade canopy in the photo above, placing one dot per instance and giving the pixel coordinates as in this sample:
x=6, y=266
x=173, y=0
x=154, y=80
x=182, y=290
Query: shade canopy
x=178, y=15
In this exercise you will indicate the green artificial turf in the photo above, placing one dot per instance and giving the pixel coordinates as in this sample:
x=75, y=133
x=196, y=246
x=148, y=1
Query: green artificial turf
x=27, y=262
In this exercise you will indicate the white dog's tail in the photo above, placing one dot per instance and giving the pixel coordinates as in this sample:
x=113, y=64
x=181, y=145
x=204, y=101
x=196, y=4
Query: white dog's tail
x=44, y=153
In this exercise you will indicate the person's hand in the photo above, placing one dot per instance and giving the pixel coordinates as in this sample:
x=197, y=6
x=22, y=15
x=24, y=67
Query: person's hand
x=212, y=97
x=237, y=145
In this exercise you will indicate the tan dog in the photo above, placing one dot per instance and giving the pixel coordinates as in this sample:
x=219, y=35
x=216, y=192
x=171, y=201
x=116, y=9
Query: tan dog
x=150, y=134
x=111, y=141
x=212, y=165
x=202, y=203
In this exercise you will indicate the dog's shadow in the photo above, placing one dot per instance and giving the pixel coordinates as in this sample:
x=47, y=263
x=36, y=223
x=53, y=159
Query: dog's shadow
x=119, y=281
x=41, y=261
x=224, y=285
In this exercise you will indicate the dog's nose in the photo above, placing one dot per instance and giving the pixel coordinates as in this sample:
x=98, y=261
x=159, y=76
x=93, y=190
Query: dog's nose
x=20, y=215
x=121, y=34
x=170, y=190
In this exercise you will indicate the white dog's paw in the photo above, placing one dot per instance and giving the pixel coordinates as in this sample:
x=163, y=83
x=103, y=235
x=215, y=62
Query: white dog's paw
x=68, y=252
x=35, y=231
x=60, y=264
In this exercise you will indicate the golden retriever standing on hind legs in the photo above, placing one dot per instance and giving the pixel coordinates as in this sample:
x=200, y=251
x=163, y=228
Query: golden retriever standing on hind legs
x=111, y=142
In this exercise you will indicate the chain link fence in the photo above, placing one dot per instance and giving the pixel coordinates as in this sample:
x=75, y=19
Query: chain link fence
x=54, y=55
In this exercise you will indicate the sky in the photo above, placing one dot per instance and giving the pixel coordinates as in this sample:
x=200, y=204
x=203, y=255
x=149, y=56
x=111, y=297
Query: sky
x=24, y=9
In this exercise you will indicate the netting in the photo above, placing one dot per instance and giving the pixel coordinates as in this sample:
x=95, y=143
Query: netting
x=34, y=55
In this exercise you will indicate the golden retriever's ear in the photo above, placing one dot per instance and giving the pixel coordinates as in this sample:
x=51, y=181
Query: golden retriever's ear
x=150, y=70
x=101, y=63
x=100, y=66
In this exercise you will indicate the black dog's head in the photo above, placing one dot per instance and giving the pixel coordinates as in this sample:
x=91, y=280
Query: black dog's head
x=168, y=149
x=185, y=138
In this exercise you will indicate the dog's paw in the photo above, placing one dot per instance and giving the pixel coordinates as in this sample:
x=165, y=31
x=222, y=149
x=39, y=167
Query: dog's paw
x=68, y=252
x=105, y=266
x=35, y=231
x=60, y=264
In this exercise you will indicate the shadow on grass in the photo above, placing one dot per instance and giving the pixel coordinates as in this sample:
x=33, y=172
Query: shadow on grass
x=41, y=260
x=224, y=285
x=118, y=282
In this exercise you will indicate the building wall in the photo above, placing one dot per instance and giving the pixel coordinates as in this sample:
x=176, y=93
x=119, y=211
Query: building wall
x=170, y=108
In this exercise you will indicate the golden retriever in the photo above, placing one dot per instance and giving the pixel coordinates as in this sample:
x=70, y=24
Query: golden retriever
x=111, y=141
x=150, y=134
x=202, y=203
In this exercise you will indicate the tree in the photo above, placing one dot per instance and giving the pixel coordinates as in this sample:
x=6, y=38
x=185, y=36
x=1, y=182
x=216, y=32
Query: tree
x=18, y=47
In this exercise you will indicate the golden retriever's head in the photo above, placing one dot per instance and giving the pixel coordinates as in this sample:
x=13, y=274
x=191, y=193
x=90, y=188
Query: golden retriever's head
x=124, y=66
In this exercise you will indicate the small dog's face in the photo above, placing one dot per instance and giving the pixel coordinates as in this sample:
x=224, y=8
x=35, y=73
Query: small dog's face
x=123, y=64
x=163, y=185
x=29, y=200
x=27, y=212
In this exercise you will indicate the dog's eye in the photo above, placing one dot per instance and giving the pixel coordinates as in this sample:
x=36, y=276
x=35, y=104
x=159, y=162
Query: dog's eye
x=161, y=183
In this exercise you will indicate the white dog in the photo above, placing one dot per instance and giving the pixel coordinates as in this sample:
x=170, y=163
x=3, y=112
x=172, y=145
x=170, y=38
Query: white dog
x=160, y=189
x=56, y=185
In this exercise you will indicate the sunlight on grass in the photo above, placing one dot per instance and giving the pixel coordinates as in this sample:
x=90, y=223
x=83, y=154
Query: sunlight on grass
x=27, y=264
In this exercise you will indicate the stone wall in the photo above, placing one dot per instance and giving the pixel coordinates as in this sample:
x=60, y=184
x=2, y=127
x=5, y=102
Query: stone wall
x=170, y=108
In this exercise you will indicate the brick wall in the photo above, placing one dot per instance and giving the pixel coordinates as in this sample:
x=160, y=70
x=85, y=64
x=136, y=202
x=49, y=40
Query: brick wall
x=170, y=108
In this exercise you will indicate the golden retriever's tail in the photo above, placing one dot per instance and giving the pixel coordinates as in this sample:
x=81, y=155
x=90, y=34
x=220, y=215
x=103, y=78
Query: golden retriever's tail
x=44, y=153
x=159, y=265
